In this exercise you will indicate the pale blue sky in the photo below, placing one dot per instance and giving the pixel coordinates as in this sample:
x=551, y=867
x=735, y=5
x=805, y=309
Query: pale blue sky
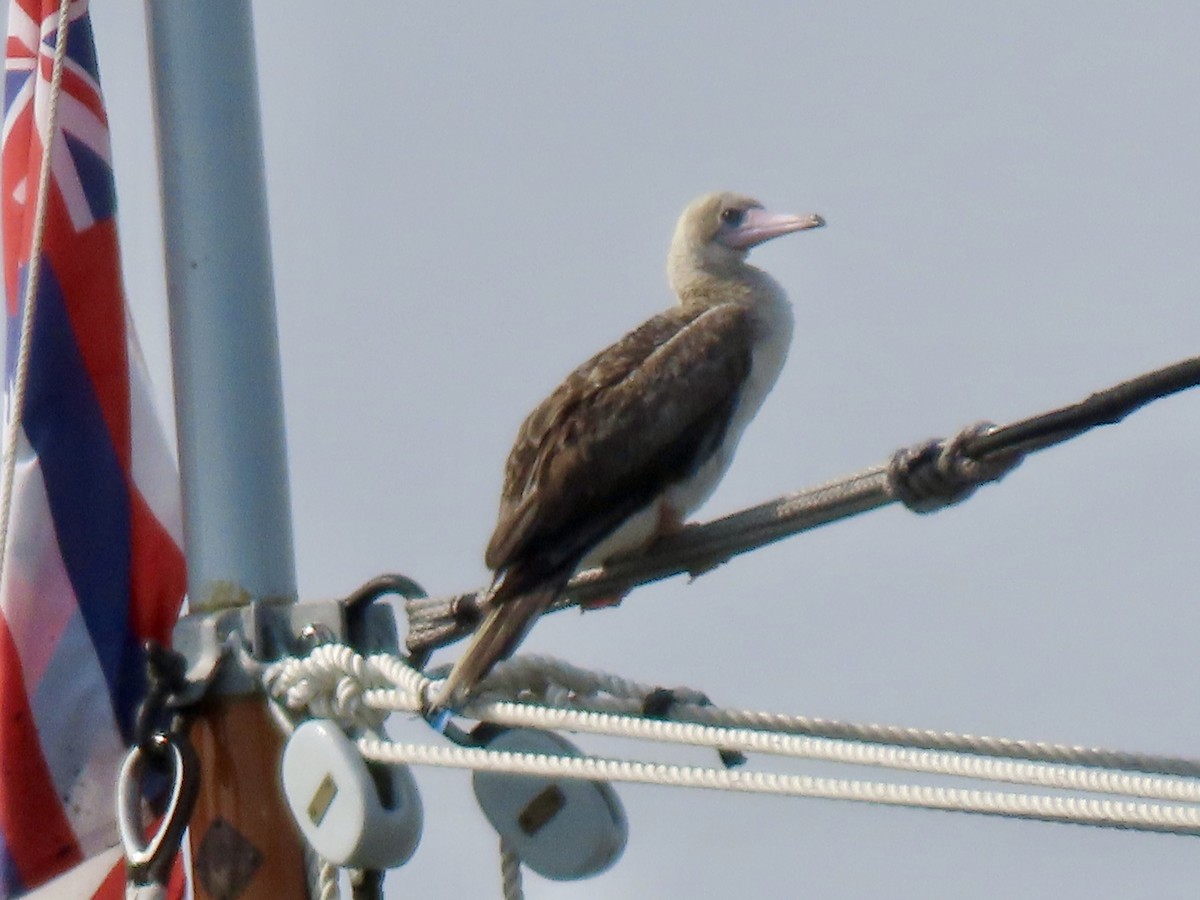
x=467, y=203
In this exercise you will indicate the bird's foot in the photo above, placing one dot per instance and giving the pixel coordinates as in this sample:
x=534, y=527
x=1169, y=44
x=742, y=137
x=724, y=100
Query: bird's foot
x=602, y=602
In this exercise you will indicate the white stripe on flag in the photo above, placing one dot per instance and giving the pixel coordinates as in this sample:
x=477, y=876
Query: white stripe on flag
x=154, y=469
x=79, y=737
x=60, y=669
x=80, y=882
x=36, y=598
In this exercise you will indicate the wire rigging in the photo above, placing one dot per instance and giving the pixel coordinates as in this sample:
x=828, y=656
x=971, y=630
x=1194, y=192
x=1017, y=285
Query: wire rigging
x=1107, y=407
x=1080, y=785
x=925, y=478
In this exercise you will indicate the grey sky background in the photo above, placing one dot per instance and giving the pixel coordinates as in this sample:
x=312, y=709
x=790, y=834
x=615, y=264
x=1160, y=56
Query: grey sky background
x=468, y=201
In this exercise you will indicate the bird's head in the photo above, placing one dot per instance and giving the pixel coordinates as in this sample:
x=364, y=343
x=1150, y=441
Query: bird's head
x=716, y=231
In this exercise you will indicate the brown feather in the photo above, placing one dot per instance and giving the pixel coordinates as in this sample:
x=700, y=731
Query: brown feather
x=635, y=421
x=636, y=417
x=502, y=630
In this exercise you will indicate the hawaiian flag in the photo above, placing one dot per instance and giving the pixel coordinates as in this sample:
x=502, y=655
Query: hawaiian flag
x=92, y=564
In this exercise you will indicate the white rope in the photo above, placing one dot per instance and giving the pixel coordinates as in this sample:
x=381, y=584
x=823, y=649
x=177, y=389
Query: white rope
x=329, y=683
x=327, y=881
x=510, y=872
x=21, y=376
x=554, y=682
x=1082, y=811
x=550, y=691
x=927, y=761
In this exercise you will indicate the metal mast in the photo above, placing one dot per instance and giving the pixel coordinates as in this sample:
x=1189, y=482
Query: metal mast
x=229, y=412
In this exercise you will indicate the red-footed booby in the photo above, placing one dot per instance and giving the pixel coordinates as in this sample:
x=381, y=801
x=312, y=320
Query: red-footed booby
x=638, y=436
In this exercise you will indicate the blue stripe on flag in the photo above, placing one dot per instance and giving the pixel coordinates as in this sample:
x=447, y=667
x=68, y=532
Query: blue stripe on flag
x=10, y=877
x=96, y=178
x=13, y=82
x=86, y=489
x=80, y=46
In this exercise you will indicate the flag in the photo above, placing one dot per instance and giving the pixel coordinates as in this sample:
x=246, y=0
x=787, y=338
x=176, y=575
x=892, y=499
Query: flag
x=102, y=877
x=92, y=564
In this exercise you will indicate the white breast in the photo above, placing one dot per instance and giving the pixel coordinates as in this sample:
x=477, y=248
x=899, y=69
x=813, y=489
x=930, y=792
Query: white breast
x=774, y=322
x=773, y=336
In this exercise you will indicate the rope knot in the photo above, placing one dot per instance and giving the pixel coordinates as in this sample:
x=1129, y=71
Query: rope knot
x=939, y=473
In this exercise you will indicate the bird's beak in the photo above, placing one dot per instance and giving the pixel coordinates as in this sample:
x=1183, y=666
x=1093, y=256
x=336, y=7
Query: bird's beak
x=760, y=225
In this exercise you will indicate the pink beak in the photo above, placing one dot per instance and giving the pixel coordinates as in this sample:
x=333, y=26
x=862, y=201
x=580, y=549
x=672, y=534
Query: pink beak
x=758, y=225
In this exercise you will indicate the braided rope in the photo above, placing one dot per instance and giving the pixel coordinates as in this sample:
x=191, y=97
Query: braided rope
x=555, y=683
x=1081, y=811
x=629, y=696
x=557, y=695
x=328, y=881
x=863, y=754
x=510, y=872
x=330, y=683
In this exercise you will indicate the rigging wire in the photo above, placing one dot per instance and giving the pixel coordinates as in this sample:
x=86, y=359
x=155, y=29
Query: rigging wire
x=925, y=478
x=359, y=692
x=1106, y=407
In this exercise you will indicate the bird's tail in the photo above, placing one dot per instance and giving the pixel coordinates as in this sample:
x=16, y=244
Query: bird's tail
x=503, y=629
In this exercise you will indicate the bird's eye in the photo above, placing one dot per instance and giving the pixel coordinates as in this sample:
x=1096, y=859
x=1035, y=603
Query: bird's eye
x=733, y=216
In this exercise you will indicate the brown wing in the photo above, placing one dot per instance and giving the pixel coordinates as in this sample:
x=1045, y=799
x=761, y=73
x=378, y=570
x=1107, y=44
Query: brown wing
x=638, y=416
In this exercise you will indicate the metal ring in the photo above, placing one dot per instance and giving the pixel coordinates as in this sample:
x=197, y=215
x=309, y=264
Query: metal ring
x=368, y=593
x=151, y=858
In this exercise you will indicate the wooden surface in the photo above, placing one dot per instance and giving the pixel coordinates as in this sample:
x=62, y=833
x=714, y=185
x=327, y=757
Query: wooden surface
x=244, y=843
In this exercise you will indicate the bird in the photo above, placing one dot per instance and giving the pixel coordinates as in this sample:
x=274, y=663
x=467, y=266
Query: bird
x=637, y=437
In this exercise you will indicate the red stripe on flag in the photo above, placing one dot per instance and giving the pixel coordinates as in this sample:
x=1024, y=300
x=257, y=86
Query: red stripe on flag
x=157, y=574
x=88, y=270
x=18, y=169
x=78, y=84
x=113, y=886
x=39, y=837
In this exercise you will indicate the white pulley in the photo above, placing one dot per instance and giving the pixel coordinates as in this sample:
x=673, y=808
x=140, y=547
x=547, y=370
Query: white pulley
x=349, y=817
x=563, y=829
